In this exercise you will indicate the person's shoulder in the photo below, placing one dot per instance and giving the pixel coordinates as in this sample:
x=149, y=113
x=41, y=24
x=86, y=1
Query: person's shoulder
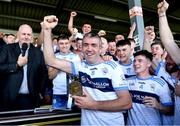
x=112, y=64
x=35, y=50
x=131, y=78
x=73, y=54
x=12, y=45
x=159, y=80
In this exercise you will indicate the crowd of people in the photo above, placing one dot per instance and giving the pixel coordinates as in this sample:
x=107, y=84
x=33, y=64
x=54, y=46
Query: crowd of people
x=121, y=85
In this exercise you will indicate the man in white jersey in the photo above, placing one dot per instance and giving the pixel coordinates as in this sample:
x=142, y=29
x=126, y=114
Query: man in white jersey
x=158, y=65
x=150, y=94
x=60, y=78
x=105, y=88
x=123, y=52
x=174, y=81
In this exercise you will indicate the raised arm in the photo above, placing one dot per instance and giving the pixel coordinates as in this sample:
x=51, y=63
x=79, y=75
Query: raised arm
x=166, y=34
x=149, y=36
x=71, y=19
x=132, y=29
x=48, y=24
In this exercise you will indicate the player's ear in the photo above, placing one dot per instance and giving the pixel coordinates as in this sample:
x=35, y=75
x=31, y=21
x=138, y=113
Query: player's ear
x=149, y=63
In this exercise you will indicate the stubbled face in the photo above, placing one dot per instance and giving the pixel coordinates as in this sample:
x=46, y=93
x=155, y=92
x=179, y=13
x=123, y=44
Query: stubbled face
x=112, y=48
x=119, y=37
x=86, y=28
x=157, y=51
x=124, y=53
x=91, y=49
x=141, y=64
x=25, y=34
x=64, y=45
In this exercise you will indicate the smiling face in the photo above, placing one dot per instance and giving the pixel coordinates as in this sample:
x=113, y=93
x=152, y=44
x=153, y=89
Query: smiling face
x=157, y=50
x=141, y=65
x=25, y=34
x=86, y=28
x=112, y=47
x=124, y=53
x=64, y=45
x=92, y=49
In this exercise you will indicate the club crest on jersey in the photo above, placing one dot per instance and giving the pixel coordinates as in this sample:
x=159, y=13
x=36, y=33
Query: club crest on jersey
x=123, y=77
x=152, y=86
x=105, y=71
x=92, y=72
x=132, y=86
x=128, y=70
x=141, y=86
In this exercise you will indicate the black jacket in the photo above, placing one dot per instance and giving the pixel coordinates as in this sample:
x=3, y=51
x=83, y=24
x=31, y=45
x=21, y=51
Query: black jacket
x=37, y=75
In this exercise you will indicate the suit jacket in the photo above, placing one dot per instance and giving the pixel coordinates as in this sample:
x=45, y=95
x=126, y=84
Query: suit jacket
x=37, y=75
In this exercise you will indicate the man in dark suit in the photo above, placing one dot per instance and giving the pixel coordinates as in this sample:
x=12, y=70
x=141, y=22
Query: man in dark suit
x=25, y=77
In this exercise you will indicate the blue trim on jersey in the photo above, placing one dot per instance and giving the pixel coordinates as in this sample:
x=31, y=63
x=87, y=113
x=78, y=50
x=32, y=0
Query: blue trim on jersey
x=112, y=64
x=85, y=62
x=144, y=78
x=64, y=54
x=121, y=88
x=102, y=84
x=157, y=69
x=159, y=81
x=125, y=64
x=169, y=85
x=138, y=96
x=73, y=68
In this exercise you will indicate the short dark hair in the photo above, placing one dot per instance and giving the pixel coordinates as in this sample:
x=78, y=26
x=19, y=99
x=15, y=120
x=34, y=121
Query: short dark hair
x=131, y=40
x=123, y=42
x=144, y=53
x=78, y=38
x=63, y=37
x=9, y=35
x=92, y=35
x=158, y=43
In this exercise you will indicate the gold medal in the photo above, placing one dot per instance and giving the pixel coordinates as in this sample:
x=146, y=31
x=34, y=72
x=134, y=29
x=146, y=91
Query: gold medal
x=75, y=88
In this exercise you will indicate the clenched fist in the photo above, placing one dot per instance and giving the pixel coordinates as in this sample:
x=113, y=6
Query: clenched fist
x=49, y=22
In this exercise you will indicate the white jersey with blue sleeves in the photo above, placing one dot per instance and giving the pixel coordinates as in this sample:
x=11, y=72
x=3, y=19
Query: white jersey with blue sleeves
x=101, y=81
x=161, y=72
x=60, y=81
x=128, y=69
x=152, y=87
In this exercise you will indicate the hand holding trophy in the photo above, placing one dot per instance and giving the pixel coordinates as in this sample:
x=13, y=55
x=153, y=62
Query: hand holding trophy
x=75, y=87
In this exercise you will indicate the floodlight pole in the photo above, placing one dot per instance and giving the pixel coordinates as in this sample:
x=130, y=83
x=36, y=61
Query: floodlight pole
x=136, y=15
